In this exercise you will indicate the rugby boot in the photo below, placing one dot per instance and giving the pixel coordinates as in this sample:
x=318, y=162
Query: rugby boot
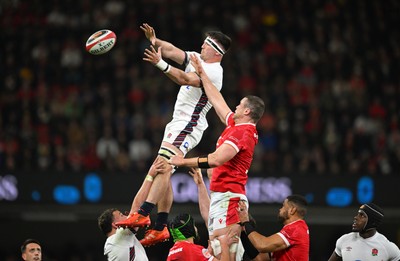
x=153, y=237
x=135, y=220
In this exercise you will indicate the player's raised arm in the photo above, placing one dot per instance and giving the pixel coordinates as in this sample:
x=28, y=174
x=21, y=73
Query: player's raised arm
x=214, y=96
x=180, y=77
x=169, y=50
x=204, y=198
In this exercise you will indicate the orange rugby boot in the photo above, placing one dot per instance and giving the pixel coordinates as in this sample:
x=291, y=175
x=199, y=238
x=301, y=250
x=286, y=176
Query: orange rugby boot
x=153, y=237
x=135, y=220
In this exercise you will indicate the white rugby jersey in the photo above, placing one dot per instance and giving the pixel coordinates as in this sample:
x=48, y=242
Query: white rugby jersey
x=124, y=246
x=352, y=247
x=192, y=103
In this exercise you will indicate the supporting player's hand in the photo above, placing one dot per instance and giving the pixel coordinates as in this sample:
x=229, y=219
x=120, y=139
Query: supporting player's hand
x=197, y=176
x=149, y=33
x=230, y=237
x=151, y=55
x=162, y=166
x=242, y=211
x=176, y=160
x=197, y=65
x=159, y=166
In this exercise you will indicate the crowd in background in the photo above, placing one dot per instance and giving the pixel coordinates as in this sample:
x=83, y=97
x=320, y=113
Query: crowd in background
x=328, y=72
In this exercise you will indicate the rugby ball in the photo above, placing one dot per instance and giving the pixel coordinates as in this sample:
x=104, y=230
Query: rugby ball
x=101, y=42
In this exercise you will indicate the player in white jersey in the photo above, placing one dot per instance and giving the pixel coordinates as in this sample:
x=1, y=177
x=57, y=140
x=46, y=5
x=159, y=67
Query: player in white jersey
x=121, y=243
x=185, y=130
x=191, y=107
x=365, y=242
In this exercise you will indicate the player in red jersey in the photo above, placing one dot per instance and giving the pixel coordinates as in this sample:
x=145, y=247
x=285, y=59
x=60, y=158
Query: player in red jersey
x=231, y=160
x=184, y=233
x=292, y=242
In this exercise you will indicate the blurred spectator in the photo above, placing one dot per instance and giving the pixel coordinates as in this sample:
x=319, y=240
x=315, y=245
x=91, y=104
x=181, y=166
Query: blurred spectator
x=140, y=152
x=107, y=148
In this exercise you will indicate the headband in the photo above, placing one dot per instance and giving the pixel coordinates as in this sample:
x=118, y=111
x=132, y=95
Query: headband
x=214, y=45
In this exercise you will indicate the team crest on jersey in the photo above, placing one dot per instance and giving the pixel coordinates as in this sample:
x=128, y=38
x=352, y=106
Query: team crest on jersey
x=374, y=252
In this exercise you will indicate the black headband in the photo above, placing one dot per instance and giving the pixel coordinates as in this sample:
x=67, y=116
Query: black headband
x=214, y=45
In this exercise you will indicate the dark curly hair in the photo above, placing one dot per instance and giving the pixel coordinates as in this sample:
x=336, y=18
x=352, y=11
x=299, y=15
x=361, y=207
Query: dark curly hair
x=105, y=220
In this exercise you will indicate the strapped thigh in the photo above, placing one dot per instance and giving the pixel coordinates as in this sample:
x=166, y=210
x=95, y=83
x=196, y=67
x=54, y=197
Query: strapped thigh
x=166, y=153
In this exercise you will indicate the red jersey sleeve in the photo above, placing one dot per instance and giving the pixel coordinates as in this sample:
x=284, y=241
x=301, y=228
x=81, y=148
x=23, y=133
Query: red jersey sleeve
x=296, y=237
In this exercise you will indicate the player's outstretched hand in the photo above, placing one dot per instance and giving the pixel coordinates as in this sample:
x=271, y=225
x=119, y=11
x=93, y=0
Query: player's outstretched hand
x=151, y=55
x=197, y=176
x=149, y=33
x=196, y=64
x=176, y=160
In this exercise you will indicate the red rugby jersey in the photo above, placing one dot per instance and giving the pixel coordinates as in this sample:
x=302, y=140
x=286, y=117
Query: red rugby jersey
x=297, y=238
x=232, y=175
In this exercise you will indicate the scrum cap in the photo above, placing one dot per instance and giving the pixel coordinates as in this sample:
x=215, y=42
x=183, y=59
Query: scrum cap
x=374, y=213
x=182, y=227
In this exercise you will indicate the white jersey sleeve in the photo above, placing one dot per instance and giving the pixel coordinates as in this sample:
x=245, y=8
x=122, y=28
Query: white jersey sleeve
x=393, y=251
x=338, y=247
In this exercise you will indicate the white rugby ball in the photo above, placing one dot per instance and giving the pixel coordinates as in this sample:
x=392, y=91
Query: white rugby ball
x=101, y=42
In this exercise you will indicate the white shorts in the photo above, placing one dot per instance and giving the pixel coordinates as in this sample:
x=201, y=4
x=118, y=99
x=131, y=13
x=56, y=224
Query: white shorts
x=223, y=210
x=182, y=135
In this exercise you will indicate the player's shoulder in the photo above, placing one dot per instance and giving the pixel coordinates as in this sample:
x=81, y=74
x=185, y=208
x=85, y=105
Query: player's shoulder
x=213, y=70
x=246, y=131
x=348, y=237
x=302, y=223
x=381, y=237
x=250, y=131
x=229, y=119
x=390, y=247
